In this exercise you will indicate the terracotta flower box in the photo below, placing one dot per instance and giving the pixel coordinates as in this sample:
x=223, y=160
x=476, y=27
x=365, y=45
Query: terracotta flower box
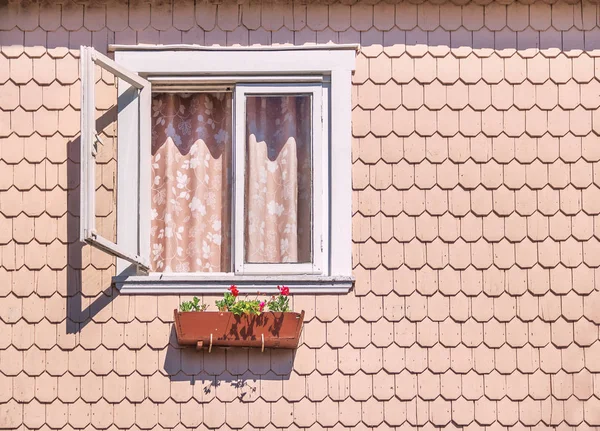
x=208, y=329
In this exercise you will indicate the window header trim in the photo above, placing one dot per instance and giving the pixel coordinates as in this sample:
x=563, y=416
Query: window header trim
x=190, y=47
x=318, y=60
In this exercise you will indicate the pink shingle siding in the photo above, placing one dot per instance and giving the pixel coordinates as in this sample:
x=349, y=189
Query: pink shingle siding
x=476, y=230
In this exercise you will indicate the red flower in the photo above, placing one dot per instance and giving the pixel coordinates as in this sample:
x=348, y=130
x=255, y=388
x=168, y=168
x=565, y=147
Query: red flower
x=284, y=290
x=234, y=290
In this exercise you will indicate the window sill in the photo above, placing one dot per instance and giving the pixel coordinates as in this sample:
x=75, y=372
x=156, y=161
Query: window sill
x=198, y=285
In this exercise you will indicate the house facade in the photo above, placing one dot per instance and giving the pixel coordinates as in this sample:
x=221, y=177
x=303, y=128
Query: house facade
x=475, y=227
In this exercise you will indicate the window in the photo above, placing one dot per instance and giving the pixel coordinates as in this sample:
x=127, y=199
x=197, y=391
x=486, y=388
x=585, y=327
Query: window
x=233, y=167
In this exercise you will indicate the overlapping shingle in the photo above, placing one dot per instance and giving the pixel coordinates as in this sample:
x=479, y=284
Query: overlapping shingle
x=475, y=231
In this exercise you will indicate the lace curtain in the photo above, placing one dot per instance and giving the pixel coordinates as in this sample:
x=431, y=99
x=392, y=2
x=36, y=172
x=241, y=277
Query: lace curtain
x=278, y=181
x=192, y=182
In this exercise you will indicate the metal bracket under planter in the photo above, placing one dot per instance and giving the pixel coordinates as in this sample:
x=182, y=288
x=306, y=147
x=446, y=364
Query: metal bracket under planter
x=208, y=329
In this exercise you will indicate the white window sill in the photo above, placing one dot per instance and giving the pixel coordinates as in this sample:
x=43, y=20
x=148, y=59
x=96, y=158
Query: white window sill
x=207, y=284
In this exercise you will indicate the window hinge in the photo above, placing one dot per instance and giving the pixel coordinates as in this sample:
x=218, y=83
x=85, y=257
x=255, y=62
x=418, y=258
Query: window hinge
x=97, y=141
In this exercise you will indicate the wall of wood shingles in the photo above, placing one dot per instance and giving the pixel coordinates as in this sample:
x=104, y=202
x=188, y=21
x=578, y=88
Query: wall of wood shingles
x=476, y=230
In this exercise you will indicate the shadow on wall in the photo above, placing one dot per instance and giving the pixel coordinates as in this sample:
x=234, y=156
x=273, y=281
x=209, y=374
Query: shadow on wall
x=79, y=311
x=440, y=41
x=238, y=370
x=420, y=28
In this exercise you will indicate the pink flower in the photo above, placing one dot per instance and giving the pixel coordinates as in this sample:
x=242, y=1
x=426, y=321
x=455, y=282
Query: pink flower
x=262, y=306
x=283, y=290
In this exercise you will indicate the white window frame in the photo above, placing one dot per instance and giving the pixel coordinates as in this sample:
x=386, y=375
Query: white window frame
x=319, y=135
x=184, y=65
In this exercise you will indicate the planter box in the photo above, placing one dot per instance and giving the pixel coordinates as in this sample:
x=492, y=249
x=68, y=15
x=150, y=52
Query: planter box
x=208, y=329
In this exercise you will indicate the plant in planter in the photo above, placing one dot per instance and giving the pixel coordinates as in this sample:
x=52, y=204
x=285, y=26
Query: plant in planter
x=231, y=303
x=193, y=305
x=280, y=302
x=240, y=322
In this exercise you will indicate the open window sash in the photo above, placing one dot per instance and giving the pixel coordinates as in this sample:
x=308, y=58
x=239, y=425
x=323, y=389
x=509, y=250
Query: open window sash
x=131, y=246
x=319, y=194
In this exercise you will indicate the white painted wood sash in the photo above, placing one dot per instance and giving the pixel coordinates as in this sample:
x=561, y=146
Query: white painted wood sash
x=129, y=251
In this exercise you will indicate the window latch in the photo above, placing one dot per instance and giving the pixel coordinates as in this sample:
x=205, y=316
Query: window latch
x=97, y=141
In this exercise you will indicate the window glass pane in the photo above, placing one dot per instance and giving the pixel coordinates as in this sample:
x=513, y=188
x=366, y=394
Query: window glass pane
x=191, y=182
x=278, y=179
